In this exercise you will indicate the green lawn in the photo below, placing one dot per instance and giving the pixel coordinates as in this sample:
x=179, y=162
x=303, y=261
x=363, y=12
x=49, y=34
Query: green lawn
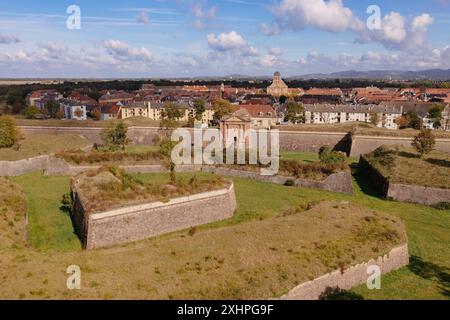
x=308, y=156
x=428, y=229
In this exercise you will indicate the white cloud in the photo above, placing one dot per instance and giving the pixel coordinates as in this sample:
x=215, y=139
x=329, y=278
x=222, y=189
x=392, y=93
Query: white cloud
x=399, y=34
x=203, y=15
x=226, y=41
x=268, y=60
x=143, y=17
x=123, y=51
x=327, y=15
x=8, y=39
x=270, y=30
x=275, y=51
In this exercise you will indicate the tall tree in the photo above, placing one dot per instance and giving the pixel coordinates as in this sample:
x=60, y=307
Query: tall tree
x=294, y=112
x=424, y=142
x=199, y=106
x=221, y=108
x=115, y=136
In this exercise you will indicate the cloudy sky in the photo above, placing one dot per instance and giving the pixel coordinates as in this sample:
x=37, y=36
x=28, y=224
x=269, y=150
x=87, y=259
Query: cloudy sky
x=179, y=38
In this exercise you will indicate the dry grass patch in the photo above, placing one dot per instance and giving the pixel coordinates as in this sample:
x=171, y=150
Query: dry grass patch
x=256, y=260
x=13, y=208
x=132, y=157
x=110, y=187
x=433, y=170
x=32, y=145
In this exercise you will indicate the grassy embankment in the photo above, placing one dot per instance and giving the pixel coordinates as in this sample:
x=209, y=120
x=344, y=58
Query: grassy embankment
x=428, y=232
x=406, y=167
x=32, y=145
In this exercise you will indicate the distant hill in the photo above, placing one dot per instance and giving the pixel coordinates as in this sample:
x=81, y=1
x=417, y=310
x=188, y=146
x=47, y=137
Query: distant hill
x=430, y=74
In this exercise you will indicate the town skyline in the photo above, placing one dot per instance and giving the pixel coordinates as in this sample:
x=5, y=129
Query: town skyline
x=175, y=39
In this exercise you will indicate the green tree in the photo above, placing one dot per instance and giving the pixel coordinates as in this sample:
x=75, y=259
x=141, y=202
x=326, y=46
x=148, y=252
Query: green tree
x=221, y=108
x=424, y=142
x=9, y=134
x=172, y=111
x=435, y=113
x=32, y=112
x=282, y=99
x=294, y=112
x=199, y=106
x=413, y=120
x=115, y=136
x=52, y=108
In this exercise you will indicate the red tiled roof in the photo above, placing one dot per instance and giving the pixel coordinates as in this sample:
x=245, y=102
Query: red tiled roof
x=259, y=110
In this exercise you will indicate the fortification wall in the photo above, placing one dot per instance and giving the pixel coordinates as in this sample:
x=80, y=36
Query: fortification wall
x=302, y=141
x=417, y=194
x=349, y=278
x=365, y=144
x=152, y=219
x=403, y=192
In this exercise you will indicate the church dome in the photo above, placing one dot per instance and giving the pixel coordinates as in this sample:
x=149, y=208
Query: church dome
x=277, y=74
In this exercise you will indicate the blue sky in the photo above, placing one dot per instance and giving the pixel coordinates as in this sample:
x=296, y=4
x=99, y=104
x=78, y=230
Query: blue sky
x=178, y=38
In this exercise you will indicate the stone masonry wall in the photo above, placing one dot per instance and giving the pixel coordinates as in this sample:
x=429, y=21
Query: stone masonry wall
x=418, y=194
x=338, y=182
x=148, y=220
x=301, y=141
x=366, y=144
x=349, y=278
x=402, y=192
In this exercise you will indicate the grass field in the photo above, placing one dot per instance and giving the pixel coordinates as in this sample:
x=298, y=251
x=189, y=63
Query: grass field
x=50, y=231
x=33, y=145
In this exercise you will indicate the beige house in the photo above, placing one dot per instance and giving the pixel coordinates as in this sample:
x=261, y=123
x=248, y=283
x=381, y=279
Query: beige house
x=262, y=116
x=445, y=118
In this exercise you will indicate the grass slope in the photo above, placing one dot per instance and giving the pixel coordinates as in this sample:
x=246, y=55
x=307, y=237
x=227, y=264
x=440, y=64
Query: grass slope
x=33, y=145
x=428, y=231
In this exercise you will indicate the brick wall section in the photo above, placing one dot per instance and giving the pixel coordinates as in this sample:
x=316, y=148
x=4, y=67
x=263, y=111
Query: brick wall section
x=349, y=278
x=148, y=220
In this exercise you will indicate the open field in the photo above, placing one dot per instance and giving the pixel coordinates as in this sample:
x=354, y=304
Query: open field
x=433, y=170
x=428, y=231
x=223, y=260
x=33, y=145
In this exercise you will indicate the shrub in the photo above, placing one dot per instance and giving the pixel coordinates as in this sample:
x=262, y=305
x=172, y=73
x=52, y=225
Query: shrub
x=32, y=112
x=384, y=156
x=289, y=183
x=424, y=142
x=442, y=206
x=9, y=135
x=326, y=155
x=67, y=204
x=115, y=136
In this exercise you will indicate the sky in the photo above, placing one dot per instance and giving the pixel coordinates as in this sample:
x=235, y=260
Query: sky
x=194, y=38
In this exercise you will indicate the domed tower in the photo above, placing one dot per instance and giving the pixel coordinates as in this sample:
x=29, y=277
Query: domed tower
x=278, y=87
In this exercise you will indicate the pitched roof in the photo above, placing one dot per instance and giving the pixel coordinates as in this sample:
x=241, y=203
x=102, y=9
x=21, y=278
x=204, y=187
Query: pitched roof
x=259, y=110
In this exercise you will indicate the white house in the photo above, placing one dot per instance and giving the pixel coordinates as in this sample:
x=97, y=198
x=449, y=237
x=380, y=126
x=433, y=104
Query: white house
x=73, y=110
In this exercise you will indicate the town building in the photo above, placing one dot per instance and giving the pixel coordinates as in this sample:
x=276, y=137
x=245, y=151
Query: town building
x=332, y=114
x=261, y=116
x=73, y=110
x=278, y=87
x=43, y=95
